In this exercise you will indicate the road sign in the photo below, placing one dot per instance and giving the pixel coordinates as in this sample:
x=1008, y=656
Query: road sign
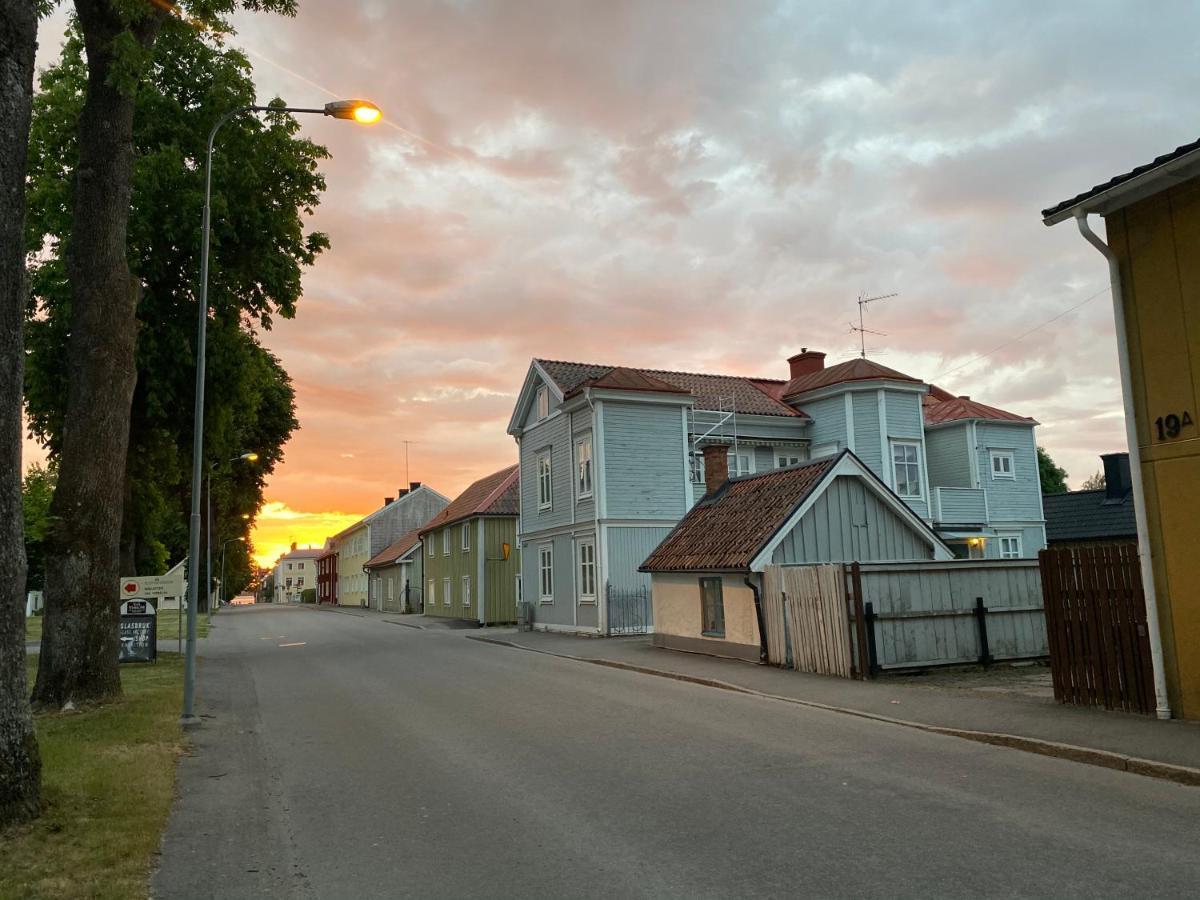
x=139, y=631
x=151, y=586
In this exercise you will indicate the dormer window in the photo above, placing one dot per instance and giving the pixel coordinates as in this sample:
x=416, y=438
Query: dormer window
x=543, y=402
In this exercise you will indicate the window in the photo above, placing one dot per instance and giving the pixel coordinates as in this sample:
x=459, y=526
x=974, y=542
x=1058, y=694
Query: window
x=697, y=461
x=466, y=590
x=583, y=467
x=445, y=542
x=546, y=573
x=906, y=467
x=430, y=542
x=289, y=567
x=587, y=571
x=740, y=464
x=431, y=589
x=545, y=483
x=1002, y=464
x=466, y=536
x=783, y=460
x=445, y=592
x=543, y=402
x=1010, y=546
x=389, y=590
x=712, y=607
x=300, y=581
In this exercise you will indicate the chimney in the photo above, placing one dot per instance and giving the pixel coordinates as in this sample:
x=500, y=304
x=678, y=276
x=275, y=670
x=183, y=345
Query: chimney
x=964, y=396
x=401, y=492
x=387, y=501
x=806, y=362
x=413, y=485
x=716, y=466
x=1117, y=481
x=293, y=546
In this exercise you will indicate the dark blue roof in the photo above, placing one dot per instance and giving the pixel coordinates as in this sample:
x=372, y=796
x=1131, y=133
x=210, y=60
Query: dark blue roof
x=1088, y=516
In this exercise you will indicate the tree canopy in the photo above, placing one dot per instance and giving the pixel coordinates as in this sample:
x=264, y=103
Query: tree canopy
x=1053, y=477
x=265, y=181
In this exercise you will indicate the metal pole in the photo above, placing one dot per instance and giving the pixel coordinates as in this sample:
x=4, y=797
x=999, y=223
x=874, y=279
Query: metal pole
x=208, y=546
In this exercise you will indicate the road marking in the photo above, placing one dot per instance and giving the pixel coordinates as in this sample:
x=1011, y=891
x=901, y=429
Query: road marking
x=296, y=644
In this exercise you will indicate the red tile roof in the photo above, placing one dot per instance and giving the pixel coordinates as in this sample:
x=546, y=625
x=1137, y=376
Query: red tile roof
x=727, y=529
x=857, y=369
x=396, y=549
x=494, y=495
x=952, y=409
x=623, y=379
x=749, y=396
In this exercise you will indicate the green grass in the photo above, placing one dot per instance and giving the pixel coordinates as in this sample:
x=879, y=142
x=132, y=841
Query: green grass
x=168, y=626
x=108, y=780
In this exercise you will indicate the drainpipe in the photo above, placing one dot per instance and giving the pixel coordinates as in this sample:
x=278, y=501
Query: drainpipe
x=1135, y=467
x=758, y=614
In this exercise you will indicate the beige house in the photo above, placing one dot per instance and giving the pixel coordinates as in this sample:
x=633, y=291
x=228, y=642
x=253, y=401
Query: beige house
x=412, y=508
x=295, y=572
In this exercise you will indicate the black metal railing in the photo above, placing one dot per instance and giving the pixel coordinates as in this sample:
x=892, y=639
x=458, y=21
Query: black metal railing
x=629, y=610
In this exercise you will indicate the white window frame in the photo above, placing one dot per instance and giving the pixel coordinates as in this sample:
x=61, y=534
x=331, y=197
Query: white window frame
x=1003, y=456
x=696, y=461
x=545, y=573
x=445, y=542
x=543, y=402
x=583, y=467
x=466, y=535
x=431, y=600
x=545, y=480
x=784, y=456
x=466, y=591
x=1019, y=550
x=432, y=548
x=585, y=560
x=447, y=593
x=733, y=468
x=916, y=463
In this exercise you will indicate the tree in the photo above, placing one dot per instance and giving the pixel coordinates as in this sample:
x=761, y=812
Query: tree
x=1053, y=478
x=37, y=489
x=1096, y=482
x=20, y=765
x=102, y=294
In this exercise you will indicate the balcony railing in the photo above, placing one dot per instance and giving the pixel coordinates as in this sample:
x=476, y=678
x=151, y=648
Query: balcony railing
x=960, y=506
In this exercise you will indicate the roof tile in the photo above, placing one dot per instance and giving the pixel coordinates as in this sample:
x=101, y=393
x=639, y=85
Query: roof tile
x=493, y=495
x=857, y=369
x=396, y=549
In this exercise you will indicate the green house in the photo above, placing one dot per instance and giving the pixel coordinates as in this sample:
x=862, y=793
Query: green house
x=471, y=567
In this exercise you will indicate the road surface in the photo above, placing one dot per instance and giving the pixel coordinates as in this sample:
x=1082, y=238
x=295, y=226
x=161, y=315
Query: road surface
x=344, y=756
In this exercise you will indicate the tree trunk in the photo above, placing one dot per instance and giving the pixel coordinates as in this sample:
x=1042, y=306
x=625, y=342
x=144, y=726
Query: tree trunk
x=79, y=642
x=20, y=766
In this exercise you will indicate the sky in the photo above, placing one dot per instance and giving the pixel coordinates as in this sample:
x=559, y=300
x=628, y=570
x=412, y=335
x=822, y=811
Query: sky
x=704, y=186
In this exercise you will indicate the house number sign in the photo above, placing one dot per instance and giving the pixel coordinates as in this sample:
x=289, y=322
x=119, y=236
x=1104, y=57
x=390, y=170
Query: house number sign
x=1169, y=426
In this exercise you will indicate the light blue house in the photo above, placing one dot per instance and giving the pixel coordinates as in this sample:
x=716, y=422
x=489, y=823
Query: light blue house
x=611, y=458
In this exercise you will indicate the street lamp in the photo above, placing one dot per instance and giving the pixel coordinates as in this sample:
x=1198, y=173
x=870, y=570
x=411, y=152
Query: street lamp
x=221, y=589
x=247, y=457
x=356, y=110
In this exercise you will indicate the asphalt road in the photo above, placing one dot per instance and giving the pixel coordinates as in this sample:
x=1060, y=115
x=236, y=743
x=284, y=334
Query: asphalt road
x=346, y=757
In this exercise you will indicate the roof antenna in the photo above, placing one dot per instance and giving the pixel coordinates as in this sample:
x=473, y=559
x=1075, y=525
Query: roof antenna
x=862, y=331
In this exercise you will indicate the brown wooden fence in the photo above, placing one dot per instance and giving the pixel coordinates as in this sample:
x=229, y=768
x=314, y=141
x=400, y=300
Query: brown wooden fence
x=808, y=621
x=1096, y=624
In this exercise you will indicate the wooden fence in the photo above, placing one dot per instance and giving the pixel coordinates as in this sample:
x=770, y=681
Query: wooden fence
x=913, y=615
x=1096, y=615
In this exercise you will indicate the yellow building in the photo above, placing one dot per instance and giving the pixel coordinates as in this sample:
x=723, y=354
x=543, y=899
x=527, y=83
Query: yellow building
x=1152, y=219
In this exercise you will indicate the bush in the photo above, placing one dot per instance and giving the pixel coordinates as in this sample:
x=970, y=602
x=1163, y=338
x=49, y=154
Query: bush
x=308, y=595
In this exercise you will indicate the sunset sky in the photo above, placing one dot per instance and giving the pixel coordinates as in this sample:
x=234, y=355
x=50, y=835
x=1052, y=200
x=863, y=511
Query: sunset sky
x=704, y=186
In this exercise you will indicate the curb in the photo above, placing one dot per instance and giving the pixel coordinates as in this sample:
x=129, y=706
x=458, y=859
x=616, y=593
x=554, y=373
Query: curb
x=1185, y=775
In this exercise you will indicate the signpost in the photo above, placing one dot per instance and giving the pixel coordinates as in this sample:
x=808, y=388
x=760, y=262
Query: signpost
x=156, y=586
x=139, y=631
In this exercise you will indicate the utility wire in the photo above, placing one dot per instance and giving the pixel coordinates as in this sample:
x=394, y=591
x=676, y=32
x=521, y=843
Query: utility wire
x=1025, y=334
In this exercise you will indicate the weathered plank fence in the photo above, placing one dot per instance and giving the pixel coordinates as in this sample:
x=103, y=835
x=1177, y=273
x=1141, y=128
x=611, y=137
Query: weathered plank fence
x=913, y=615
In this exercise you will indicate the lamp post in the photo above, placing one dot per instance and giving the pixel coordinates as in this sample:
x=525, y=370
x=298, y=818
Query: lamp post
x=221, y=589
x=355, y=110
x=248, y=457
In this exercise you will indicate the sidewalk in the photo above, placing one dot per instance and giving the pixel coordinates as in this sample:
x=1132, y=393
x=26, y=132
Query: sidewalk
x=1021, y=720
x=409, y=620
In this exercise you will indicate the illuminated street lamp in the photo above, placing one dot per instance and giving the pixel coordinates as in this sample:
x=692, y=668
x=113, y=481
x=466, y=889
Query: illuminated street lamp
x=360, y=111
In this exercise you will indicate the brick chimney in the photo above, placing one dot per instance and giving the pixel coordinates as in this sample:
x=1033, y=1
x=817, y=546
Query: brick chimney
x=413, y=485
x=806, y=362
x=1118, y=483
x=387, y=501
x=293, y=546
x=716, y=466
x=401, y=492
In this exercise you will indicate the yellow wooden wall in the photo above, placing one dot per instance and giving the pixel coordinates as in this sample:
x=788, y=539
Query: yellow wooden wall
x=1158, y=243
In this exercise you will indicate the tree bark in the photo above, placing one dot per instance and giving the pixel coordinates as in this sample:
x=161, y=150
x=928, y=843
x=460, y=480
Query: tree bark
x=79, y=643
x=20, y=765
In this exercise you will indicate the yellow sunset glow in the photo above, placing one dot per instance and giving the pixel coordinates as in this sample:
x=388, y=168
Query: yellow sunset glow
x=278, y=526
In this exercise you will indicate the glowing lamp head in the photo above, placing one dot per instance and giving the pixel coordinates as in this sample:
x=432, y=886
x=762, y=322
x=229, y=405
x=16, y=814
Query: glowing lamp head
x=250, y=457
x=362, y=111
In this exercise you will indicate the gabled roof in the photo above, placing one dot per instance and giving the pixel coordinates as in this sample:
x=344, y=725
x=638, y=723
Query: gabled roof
x=623, y=379
x=396, y=550
x=939, y=411
x=1179, y=162
x=748, y=395
x=303, y=553
x=857, y=369
x=727, y=529
x=1088, y=516
x=497, y=494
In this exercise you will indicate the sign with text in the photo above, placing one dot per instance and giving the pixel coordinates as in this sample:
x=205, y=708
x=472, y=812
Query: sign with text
x=139, y=631
x=151, y=586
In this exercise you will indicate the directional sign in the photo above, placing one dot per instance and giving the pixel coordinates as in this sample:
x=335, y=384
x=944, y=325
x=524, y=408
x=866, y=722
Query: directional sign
x=151, y=586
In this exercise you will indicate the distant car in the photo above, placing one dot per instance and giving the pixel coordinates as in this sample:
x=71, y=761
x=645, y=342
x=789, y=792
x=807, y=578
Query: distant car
x=242, y=600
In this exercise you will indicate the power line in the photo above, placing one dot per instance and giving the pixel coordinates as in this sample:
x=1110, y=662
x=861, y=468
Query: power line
x=1025, y=334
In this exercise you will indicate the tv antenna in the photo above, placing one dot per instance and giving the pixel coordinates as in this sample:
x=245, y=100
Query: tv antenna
x=861, y=329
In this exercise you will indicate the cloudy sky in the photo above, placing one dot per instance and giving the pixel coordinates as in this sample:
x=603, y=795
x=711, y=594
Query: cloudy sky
x=705, y=186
